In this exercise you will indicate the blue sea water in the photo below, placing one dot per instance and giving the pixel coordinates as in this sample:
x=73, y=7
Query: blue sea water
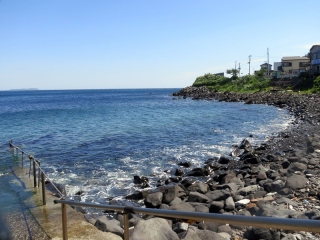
x=97, y=140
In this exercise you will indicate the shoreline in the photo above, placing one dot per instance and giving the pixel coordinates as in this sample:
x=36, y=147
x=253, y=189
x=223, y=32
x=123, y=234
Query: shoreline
x=279, y=178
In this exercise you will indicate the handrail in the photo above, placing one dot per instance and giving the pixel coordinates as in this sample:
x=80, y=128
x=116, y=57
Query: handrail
x=260, y=222
x=36, y=164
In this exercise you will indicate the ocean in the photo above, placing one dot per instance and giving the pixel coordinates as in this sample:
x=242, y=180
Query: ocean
x=95, y=141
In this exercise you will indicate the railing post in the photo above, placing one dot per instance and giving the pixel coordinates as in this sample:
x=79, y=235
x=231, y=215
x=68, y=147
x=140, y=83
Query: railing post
x=126, y=226
x=43, y=189
x=22, y=158
x=64, y=221
x=34, y=174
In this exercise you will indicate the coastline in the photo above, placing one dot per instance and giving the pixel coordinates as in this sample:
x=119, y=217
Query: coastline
x=278, y=178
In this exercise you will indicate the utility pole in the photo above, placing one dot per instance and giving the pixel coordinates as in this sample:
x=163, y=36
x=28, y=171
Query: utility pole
x=249, y=63
x=235, y=68
x=239, y=70
x=268, y=62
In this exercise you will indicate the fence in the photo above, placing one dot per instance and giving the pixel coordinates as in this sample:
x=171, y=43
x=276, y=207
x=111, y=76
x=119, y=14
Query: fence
x=259, y=222
x=33, y=167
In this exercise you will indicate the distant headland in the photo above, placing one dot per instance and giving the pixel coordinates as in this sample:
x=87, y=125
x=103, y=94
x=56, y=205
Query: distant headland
x=24, y=89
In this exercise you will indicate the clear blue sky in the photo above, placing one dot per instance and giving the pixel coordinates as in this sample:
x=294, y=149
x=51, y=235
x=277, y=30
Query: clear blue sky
x=101, y=44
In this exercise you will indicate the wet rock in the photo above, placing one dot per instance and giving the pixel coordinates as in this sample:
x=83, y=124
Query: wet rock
x=178, y=172
x=184, y=164
x=198, y=172
x=187, y=182
x=135, y=196
x=225, y=159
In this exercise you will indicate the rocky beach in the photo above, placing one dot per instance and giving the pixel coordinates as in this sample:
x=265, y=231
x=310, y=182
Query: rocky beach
x=279, y=178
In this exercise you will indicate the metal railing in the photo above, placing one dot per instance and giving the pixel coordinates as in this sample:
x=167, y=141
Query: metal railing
x=33, y=167
x=260, y=222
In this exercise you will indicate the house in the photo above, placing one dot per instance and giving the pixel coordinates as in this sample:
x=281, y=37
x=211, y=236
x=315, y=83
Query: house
x=267, y=67
x=293, y=66
x=315, y=58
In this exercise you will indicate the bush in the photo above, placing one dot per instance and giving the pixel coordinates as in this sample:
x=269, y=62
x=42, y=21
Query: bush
x=316, y=84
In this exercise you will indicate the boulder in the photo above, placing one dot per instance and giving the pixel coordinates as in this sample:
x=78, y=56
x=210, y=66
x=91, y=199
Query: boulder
x=229, y=204
x=295, y=182
x=106, y=225
x=248, y=190
x=154, y=228
x=297, y=167
x=198, y=187
x=198, y=172
x=180, y=227
x=218, y=195
x=198, y=197
x=225, y=159
x=153, y=200
x=170, y=192
x=216, y=206
x=183, y=206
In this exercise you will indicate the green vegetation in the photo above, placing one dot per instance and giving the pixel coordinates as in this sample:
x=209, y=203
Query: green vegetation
x=248, y=83
x=253, y=83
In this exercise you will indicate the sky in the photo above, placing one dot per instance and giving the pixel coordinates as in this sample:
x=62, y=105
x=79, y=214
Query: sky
x=104, y=44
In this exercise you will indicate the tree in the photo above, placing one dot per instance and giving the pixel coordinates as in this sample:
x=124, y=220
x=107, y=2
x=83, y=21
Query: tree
x=234, y=72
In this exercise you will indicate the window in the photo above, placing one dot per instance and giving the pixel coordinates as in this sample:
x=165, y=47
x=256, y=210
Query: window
x=303, y=64
x=286, y=64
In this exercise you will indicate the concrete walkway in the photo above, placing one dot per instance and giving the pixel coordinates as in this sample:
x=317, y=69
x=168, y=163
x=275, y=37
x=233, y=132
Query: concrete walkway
x=22, y=215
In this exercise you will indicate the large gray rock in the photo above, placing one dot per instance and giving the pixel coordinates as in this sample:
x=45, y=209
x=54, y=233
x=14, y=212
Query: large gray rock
x=218, y=195
x=233, y=187
x=106, y=225
x=297, y=166
x=171, y=192
x=153, y=200
x=198, y=187
x=198, y=197
x=229, y=204
x=275, y=211
x=295, y=182
x=184, y=206
x=155, y=229
x=248, y=190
